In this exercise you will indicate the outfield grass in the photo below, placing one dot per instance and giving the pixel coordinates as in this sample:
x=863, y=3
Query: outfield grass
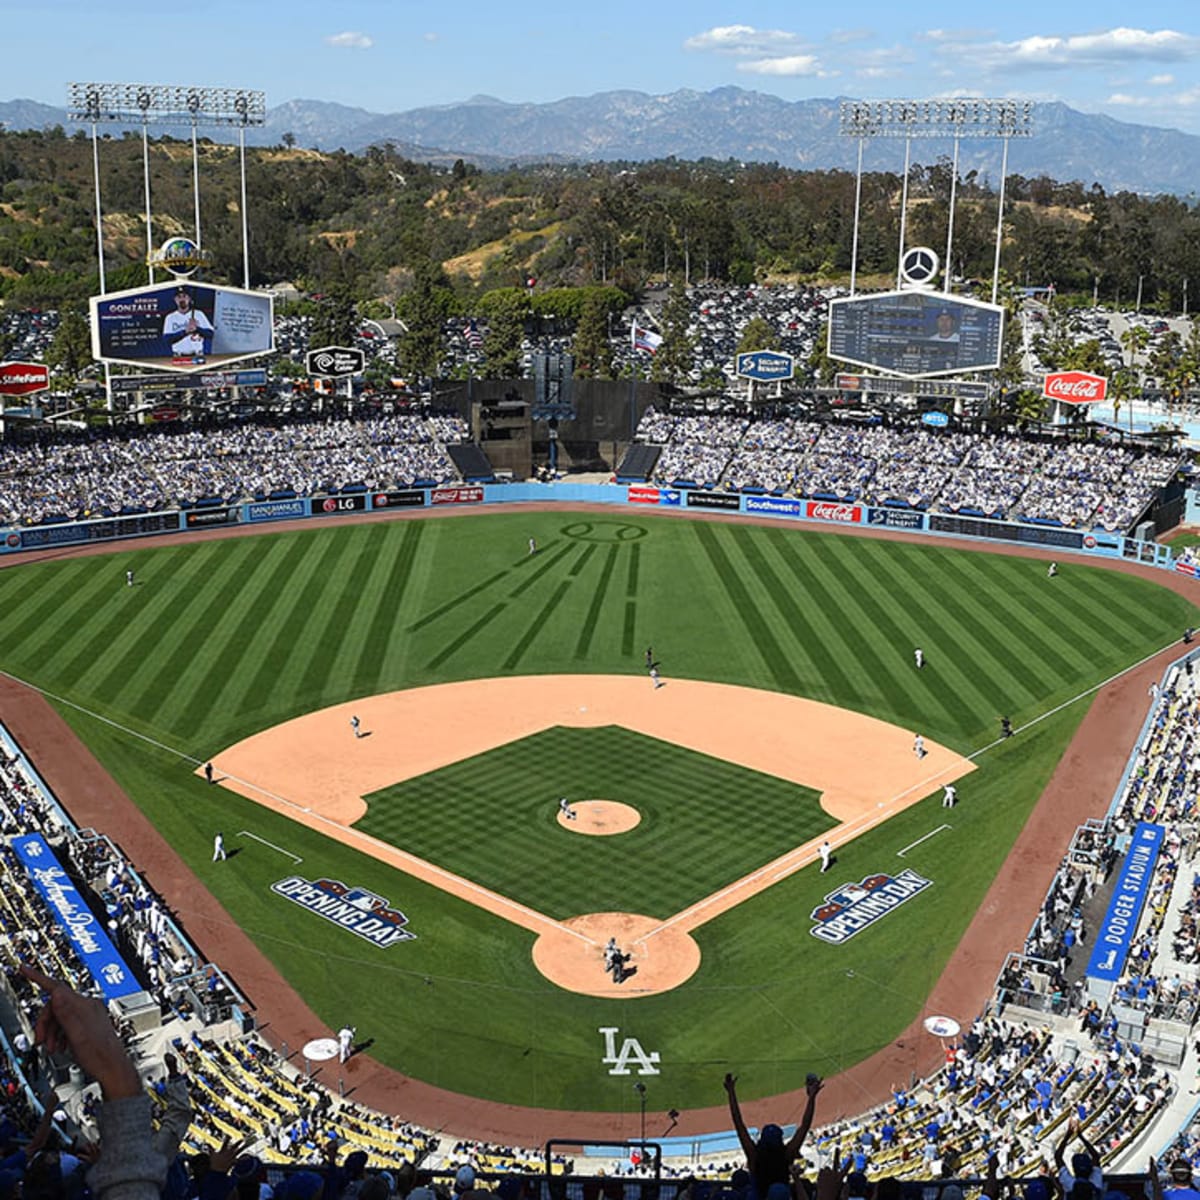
x=224, y=638
x=493, y=818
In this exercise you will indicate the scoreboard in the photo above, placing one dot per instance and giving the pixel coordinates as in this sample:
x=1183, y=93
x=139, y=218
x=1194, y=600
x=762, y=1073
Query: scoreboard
x=916, y=334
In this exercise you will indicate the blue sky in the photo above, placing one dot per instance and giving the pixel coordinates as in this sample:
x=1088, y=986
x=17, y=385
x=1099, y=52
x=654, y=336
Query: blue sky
x=1137, y=63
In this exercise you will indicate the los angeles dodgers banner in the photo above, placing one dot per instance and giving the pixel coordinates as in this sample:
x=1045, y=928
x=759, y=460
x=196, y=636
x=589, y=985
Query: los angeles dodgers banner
x=1115, y=936
x=70, y=910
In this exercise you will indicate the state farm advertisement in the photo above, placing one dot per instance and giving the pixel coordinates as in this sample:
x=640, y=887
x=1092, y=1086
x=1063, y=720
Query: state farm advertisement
x=831, y=510
x=22, y=378
x=1074, y=387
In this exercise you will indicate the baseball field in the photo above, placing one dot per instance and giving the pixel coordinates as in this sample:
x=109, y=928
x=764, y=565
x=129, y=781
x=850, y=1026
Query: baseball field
x=490, y=682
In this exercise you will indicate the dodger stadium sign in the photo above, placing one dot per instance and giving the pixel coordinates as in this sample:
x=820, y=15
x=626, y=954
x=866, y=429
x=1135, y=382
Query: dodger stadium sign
x=854, y=906
x=361, y=912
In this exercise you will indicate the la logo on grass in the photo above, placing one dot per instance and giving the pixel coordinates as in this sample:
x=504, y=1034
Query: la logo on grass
x=631, y=1049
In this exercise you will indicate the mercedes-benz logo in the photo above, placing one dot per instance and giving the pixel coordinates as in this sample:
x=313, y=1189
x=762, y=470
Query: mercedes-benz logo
x=919, y=265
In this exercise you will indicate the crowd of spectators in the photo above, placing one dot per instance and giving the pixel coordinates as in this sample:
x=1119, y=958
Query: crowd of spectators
x=1088, y=485
x=104, y=473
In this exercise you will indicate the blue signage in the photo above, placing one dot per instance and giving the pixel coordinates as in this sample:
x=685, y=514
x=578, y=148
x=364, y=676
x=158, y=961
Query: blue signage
x=896, y=518
x=773, y=505
x=766, y=365
x=937, y=420
x=670, y=497
x=276, y=510
x=1115, y=935
x=83, y=929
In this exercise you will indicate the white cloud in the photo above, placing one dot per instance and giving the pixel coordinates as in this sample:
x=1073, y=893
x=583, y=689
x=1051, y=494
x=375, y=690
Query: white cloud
x=430, y=37
x=744, y=40
x=1162, y=80
x=1055, y=52
x=792, y=64
x=350, y=40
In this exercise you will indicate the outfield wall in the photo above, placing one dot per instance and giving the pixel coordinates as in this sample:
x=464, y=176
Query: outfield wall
x=1094, y=543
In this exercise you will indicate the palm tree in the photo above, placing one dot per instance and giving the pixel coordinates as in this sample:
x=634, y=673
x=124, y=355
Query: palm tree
x=1134, y=340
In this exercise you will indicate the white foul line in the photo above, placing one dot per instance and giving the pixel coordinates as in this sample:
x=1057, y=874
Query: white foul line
x=913, y=845
x=247, y=833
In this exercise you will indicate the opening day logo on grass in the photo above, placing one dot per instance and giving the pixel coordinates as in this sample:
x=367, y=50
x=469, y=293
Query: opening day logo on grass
x=854, y=906
x=353, y=908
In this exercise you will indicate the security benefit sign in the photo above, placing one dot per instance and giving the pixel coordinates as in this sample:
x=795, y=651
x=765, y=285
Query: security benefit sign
x=363, y=913
x=181, y=326
x=1115, y=935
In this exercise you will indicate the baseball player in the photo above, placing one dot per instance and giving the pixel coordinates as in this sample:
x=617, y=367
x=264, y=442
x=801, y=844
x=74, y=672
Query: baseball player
x=354, y=724
x=610, y=953
x=219, y=854
x=208, y=771
x=654, y=678
x=919, y=657
x=565, y=808
x=919, y=746
x=532, y=545
x=949, y=796
x=129, y=579
x=826, y=852
x=345, y=1042
x=1052, y=570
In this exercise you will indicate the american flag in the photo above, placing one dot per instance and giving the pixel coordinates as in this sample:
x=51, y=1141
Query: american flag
x=645, y=339
x=471, y=332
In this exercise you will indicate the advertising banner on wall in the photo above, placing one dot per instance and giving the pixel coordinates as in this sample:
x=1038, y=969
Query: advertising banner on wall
x=181, y=326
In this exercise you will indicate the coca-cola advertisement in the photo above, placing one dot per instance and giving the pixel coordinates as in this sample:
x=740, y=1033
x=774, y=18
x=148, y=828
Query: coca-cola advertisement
x=833, y=510
x=22, y=378
x=1075, y=387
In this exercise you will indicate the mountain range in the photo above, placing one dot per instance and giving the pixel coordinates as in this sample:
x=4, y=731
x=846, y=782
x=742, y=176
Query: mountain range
x=726, y=123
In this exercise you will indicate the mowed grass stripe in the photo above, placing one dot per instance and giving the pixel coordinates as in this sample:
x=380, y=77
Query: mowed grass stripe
x=961, y=652
x=231, y=651
x=453, y=647
x=130, y=610
x=1038, y=617
x=340, y=607
x=1007, y=628
x=461, y=598
x=551, y=561
x=389, y=606
x=751, y=617
x=819, y=662
x=823, y=628
x=864, y=631
x=290, y=616
x=538, y=625
x=37, y=596
x=64, y=599
x=140, y=680
x=588, y=628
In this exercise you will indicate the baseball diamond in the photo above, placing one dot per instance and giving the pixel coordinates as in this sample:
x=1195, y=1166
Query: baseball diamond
x=491, y=682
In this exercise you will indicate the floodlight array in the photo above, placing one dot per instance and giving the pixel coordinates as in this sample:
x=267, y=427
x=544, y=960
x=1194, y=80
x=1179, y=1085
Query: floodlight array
x=967, y=118
x=162, y=104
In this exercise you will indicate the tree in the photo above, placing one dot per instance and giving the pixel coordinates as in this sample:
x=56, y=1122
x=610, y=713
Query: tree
x=423, y=310
x=758, y=334
x=674, y=357
x=71, y=350
x=289, y=140
x=336, y=320
x=591, y=347
x=506, y=310
x=1134, y=340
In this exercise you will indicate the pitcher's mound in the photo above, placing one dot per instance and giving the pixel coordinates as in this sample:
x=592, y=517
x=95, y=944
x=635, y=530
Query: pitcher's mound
x=659, y=958
x=600, y=817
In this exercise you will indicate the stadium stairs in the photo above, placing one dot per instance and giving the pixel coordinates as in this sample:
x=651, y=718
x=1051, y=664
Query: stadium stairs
x=638, y=464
